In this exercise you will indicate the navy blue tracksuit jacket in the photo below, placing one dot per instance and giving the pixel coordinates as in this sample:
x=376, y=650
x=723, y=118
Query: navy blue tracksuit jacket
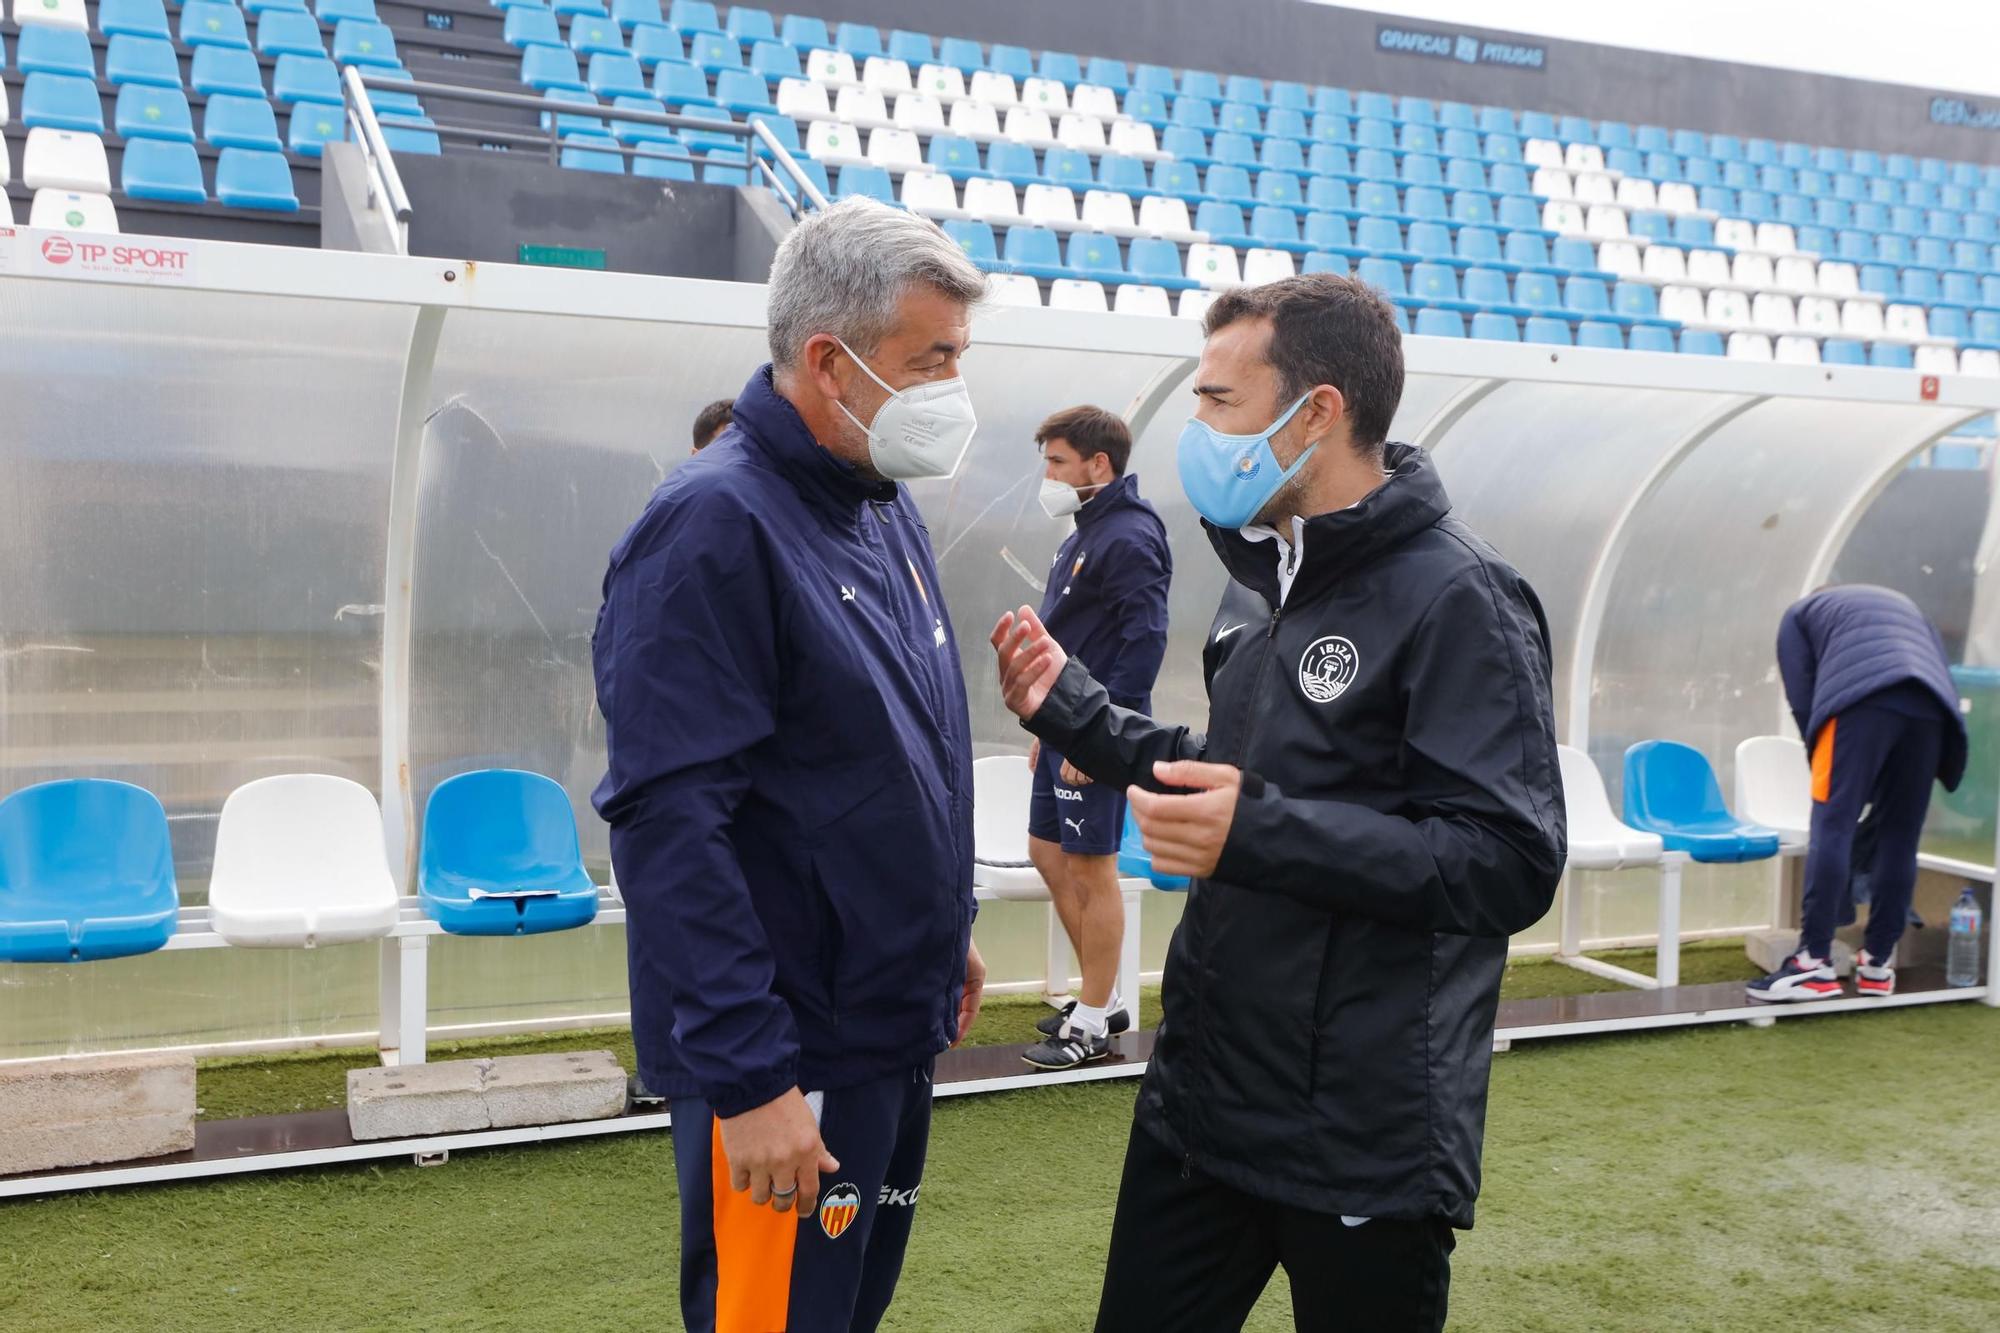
x=790, y=777
x=1106, y=602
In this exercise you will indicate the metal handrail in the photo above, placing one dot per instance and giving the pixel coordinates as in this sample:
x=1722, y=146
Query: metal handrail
x=385, y=184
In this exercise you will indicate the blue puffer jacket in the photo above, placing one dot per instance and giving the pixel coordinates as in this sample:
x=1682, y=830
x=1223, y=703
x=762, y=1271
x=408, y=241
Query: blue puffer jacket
x=1840, y=645
x=790, y=781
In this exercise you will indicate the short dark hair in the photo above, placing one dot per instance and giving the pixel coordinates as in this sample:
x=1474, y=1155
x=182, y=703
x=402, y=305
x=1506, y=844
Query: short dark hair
x=712, y=419
x=1090, y=431
x=1327, y=328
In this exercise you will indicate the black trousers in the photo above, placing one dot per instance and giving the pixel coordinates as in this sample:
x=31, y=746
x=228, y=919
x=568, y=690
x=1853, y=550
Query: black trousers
x=1190, y=1254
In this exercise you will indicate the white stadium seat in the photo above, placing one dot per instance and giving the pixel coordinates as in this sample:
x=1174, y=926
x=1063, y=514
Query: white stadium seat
x=1980, y=361
x=1109, y=211
x=1679, y=197
x=1077, y=294
x=1077, y=131
x=1542, y=153
x=1636, y=192
x=1262, y=266
x=895, y=148
x=51, y=13
x=1752, y=271
x=1050, y=205
x=1935, y=360
x=1133, y=136
x=1861, y=319
x=1797, y=350
x=887, y=75
x=1560, y=215
x=944, y=82
x=1838, y=278
x=1773, y=313
x=65, y=160
x=1665, y=263
x=930, y=193
x=834, y=67
x=1798, y=274
x=1014, y=289
x=299, y=862
x=53, y=210
x=1819, y=315
x=860, y=106
x=1137, y=298
x=1091, y=100
x=1194, y=304
x=992, y=199
x=1598, y=839
x=1620, y=257
x=994, y=88
x=1777, y=238
x=1161, y=216
x=1749, y=347
x=1606, y=222
x=1213, y=266
x=1592, y=188
x=1047, y=95
x=1002, y=786
x=802, y=100
x=1553, y=183
x=1710, y=268
x=1584, y=157
x=1683, y=304
x=1906, y=323
x=920, y=111
x=833, y=140
x=1735, y=234
x=1029, y=125
x=1774, y=787
x=977, y=120
x=1729, y=310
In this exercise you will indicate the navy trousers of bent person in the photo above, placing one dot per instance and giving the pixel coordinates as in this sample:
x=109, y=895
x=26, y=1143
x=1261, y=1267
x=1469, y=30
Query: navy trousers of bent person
x=1874, y=755
x=748, y=1269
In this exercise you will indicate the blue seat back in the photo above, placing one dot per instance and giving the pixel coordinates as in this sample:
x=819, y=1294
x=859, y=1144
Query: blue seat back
x=86, y=872
x=1440, y=324
x=1651, y=338
x=1597, y=333
x=1095, y=255
x=1497, y=328
x=146, y=111
x=1543, y=329
x=502, y=830
x=1671, y=790
x=1153, y=257
x=1031, y=245
x=55, y=51
x=1135, y=862
x=1011, y=60
x=1386, y=274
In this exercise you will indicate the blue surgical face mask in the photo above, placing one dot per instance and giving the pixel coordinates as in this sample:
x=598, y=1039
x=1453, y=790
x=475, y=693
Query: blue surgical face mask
x=1230, y=478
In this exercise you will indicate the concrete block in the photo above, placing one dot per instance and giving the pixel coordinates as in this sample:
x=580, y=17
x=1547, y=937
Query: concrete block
x=459, y=1096
x=110, y=1108
x=554, y=1089
x=1769, y=949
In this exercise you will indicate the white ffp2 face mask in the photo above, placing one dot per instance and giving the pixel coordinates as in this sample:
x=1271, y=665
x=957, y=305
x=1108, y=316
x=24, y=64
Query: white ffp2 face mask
x=921, y=432
x=1060, y=499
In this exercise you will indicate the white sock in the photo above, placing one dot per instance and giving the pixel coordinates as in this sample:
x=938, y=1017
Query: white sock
x=1088, y=1022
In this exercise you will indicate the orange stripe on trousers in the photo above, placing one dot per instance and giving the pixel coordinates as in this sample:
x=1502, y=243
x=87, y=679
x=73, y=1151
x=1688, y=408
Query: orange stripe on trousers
x=1822, y=762
x=753, y=1254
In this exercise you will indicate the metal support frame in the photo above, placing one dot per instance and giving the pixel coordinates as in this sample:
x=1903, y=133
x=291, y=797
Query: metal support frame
x=1668, y=968
x=386, y=195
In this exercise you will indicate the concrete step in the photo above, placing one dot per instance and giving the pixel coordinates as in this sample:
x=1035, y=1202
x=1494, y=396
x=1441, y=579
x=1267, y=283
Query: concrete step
x=457, y=1096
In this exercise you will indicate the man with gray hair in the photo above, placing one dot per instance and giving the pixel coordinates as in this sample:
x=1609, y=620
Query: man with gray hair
x=790, y=784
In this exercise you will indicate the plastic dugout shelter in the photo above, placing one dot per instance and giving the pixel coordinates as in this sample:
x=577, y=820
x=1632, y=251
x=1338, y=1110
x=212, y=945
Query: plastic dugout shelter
x=267, y=511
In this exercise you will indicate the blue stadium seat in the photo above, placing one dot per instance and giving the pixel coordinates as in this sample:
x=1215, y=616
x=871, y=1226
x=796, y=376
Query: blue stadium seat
x=1464, y=173
x=1520, y=213
x=859, y=40
x=1280, y=187
x=751, y=25
x=1899, y=166
x=630, y=14
x=697, y=140
x=312, y=127
x=1893, y=356
x=1671, y=790
x=1575, y=254
x=1480, y=246
x=1834, y=213
x=1375, y=164
x=615, y=75
x=1599, y=333
x=589, y=36
x=719, y=167
x=1840, y=352
x=1328, y=195
x=545, y=67
x=1332, y=129
x=1526, y=249
x=1068, y=166
x=149, y=60
x=1185, y=143
x=167, y=170
x=1329, y=233
x=1881, y=279
x=1461, y=144
x=1418, y=169
x=501, y=856
x=86, y=872
x=1636, y=300
x=585, y=151
x=1375, y=106
x=654, y=45
x=1418, y=139
x=1588, y=297
x=1196, y=113
x=1244, y=88
x=1546, y=331
x=1326, y=159
x=1106, y=72
x=303, y=79
x=229, y=121
x=917, y=49
x=745, y=93
x=805, y=32
x=1487, y=289
x=625, y=131
x=1651, y=139
x=1690, y=143
x=1034, y=251
x=1434, y=323
x=1232, y=147
x=1094, y=255
x=661, y=159
x=1332, y=101
x=1496, y=327
x=1115, y=171
x=1920, y=286
x=562, y=121
x=1011, y=60
x=359, y=42
x=680, y=85
x=249, y=178
x=289, y=32
x=1222, y=221
x=1664, y=166
x=1538, y=292
x=1016, y=162
x=773, y=61
x=1382, y=236
x=960, y=53
x=1496, y=120
x=715, y=52
x=1156, y=260
x=1283, y=155
x=63, y=102
x=865, y=180
x=1147, y=104
x=1949, y=322
x=414, y=136
x=212, y=23
x=1432, y=241
x=1275, y=227
x=148, y=111
x=138, y=18
x=1230, y=182
x=1319, y=261
x=333, y=11
x=1652, y=338
x=1436, y=285
x=46, y=50
x=1691, y=231
x=1375, y=134
x=1290, y=96
x=1240, y=117
x=1472, y=209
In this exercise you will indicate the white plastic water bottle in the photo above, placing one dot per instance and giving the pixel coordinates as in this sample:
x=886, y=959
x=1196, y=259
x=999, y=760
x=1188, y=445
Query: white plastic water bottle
x=1962, y=955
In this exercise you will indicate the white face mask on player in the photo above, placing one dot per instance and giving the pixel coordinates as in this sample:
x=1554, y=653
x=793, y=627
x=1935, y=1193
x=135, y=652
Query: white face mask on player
x=920, y=432
x=1060, y=499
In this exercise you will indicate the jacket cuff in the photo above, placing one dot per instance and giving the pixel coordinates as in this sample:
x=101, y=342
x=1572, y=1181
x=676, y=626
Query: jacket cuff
x=1259, y=809
x=1073, y=700
x=736, y=1098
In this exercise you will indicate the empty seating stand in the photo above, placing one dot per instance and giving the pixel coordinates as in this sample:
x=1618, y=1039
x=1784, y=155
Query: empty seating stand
x=86, y=873
x=501, y=856
x=299, y=862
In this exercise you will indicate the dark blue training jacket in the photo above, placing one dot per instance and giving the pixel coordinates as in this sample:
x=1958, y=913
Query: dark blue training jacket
x=1106, y=602
x=790, y=782
x=1840, y=645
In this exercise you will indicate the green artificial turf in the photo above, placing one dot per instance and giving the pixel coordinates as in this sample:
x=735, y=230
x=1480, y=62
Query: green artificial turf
x=1836, y=1170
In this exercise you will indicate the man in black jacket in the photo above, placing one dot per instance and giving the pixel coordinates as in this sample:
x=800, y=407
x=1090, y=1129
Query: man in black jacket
x=1374, y=809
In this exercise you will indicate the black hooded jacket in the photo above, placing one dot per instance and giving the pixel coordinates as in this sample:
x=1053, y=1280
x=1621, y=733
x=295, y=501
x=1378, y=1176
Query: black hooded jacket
x=1330, y=993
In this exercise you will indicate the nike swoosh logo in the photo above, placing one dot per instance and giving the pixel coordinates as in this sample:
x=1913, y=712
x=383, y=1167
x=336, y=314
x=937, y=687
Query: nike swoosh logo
x=1222, y=634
